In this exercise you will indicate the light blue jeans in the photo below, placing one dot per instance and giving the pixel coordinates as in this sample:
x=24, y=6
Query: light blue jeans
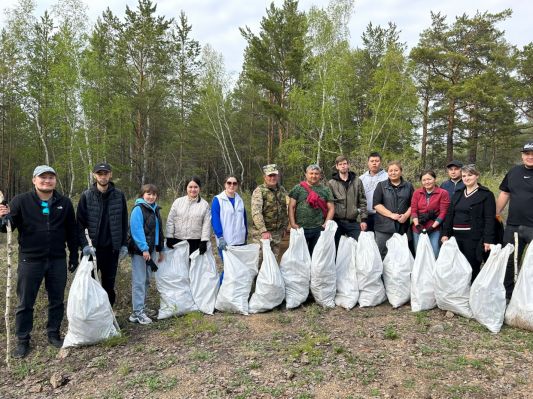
x=434, y=238
x=140, y=280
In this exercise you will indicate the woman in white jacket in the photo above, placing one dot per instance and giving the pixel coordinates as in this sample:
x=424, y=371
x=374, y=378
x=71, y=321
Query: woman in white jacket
x=190, y=219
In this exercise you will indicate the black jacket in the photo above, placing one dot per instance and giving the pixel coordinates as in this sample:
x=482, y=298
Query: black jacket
x=395, y=200
x=89, y=215
x=482, y=215
x=44, y=236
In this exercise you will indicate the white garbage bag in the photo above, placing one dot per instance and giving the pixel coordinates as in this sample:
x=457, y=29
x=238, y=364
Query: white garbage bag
x=172, y=280
x=520, y=310
x=240, y=269
x=397, y=267
x=204, y=279
x=347, y=287
x=295, y=267
x=422, y=277
x=89, y=313
x=323, y=272
x=269, y=287
x=452, y=280
x=369, y=270
x=487, y=294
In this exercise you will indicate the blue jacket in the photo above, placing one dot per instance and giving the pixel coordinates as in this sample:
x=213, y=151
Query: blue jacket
x=146, y=227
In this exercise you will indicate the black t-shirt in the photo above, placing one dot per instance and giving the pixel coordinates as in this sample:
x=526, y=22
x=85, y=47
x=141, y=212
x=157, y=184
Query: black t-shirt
x=518, y=182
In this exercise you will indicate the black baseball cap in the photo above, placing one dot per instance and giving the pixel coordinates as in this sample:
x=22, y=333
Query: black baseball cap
x=455, y=162
x=101, y=166
x=528, y=146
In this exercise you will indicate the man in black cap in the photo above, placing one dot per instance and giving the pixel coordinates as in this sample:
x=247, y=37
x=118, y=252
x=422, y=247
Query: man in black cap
x=45, y=221
x=455, y=183
x=102, y=210
x=517, y=190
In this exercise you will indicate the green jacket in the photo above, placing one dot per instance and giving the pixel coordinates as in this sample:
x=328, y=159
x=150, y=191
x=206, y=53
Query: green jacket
x=350, y=204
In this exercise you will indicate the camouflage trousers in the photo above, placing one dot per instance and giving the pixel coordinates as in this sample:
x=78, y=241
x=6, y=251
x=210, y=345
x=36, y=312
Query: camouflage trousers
x=275, y=242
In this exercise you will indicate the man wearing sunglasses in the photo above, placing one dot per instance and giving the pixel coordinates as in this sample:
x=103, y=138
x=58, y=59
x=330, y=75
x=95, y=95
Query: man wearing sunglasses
x=45, y=221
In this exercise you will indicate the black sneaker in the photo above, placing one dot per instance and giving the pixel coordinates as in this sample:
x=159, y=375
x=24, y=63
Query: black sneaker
x=55, y=341
x=22, y=350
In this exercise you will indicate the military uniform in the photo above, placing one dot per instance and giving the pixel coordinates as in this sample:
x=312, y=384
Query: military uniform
x=269, y=213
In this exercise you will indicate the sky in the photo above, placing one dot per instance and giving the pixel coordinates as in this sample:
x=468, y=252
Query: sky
x=217, y=22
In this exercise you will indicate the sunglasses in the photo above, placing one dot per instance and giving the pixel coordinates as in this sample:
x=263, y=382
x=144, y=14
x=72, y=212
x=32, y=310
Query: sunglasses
x=232, y=183
x=45, y=209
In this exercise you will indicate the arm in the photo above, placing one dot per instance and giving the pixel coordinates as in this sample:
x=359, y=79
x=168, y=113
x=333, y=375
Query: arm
x=501, y=202
x=414, y=207
x=447, y=227
x=71, y=231
x=362, y=204
x=215, y=218
x=137, y=229
x=292, y=212
x=444, y=204
x=124, y=221
x=206, y=224
x=489, y=217
x=330, y=214
x=257, y=211
x=81, y=220
x=170, y=226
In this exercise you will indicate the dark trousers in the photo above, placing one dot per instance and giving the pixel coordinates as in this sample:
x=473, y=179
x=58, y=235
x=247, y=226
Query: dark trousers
x=471, y=248
x=30, y=275
x=508, y=238
x=311, y=237
x=107, y=263
x=350, y=228
x=370, y=222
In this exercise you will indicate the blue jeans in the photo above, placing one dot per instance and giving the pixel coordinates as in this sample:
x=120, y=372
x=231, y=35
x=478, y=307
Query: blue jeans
x=434, y=238
x=140, y=280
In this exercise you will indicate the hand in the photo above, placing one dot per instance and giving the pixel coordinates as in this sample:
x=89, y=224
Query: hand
x=171, y=241
x=146, y=255
x=499, y=218
x=443, y=239
x=418, y=228
x=395, y=216
x=430, y=229
x=202, y=248
x=89, y=251
x=266, y=235
x=72, y=264
x=403, y=218
x=486, y=247
x=363, y=226
x=294, y=226
x=4, y=210
x=222, y=244
x=123, y=253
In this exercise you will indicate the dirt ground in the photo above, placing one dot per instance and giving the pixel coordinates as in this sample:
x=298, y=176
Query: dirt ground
x=309, y=352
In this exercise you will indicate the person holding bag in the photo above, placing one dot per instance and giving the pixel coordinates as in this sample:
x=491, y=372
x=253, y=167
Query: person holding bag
x=392, y=202
x=471, y=219
x=146, y=238
x=190, y=219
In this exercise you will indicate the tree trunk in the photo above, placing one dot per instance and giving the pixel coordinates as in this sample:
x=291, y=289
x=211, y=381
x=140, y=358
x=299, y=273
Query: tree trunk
x=449, y=131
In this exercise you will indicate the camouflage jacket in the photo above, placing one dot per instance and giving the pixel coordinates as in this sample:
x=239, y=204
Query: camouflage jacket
x=269, y=209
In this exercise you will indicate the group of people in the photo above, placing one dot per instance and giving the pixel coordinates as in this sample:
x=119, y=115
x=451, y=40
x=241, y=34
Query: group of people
x=380, y=200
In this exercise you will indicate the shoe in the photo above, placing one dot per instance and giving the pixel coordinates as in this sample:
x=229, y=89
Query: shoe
x=55, y=341
x=22, y=350
x=150, y=312
x=140, y=318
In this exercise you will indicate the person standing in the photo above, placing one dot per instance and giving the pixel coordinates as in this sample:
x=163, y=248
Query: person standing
x=102, y=210
x=349, y=200
x=471, y=219
x=370, y=180
x=269, y=209
x=454, y=183
x=311, y=206
x=45, y=221
x=516, y=189
x=392, y=202
x=429, y=206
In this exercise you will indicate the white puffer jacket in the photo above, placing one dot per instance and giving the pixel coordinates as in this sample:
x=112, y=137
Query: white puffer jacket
x=189, y=219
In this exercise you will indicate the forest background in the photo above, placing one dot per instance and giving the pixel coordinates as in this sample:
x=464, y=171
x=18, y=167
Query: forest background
x=138, y=91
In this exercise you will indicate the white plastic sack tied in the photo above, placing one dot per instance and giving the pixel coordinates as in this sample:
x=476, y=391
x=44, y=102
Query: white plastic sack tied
x=422, y=277
x=204, y=279
x=347, y=287
x=89, y=313
x=487, y=294
x=172, y=280
x=295, y=267
x=452, y=280
x=323, y=272
x=369, y=270
x=269, y=287
x=240, y=269
x=520, y=310
x=397, y=267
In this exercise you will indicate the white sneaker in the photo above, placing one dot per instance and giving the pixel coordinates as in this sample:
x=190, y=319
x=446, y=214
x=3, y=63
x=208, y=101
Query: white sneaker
x=140, y=318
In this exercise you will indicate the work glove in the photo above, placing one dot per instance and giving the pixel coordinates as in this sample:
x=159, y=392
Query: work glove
x=418, y=228
x=122, y=253
x=222, y=244
x=202, y=247
x=152, y=265
x=89, y=251
x=171, y=241
x=430, y=230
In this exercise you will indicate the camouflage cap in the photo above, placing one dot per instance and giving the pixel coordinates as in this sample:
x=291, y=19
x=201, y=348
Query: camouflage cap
x=271, y=169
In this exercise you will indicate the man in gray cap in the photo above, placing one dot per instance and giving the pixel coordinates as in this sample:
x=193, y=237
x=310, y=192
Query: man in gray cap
x=455, y=181
x=269, y=209
x=45, y=221
x=517, y=190
x=102, y=210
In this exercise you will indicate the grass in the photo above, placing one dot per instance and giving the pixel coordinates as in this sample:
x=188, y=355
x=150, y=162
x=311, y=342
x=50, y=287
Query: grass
x=390, y=332
x=117, y=340
x=309, y=346
x=191, y=325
